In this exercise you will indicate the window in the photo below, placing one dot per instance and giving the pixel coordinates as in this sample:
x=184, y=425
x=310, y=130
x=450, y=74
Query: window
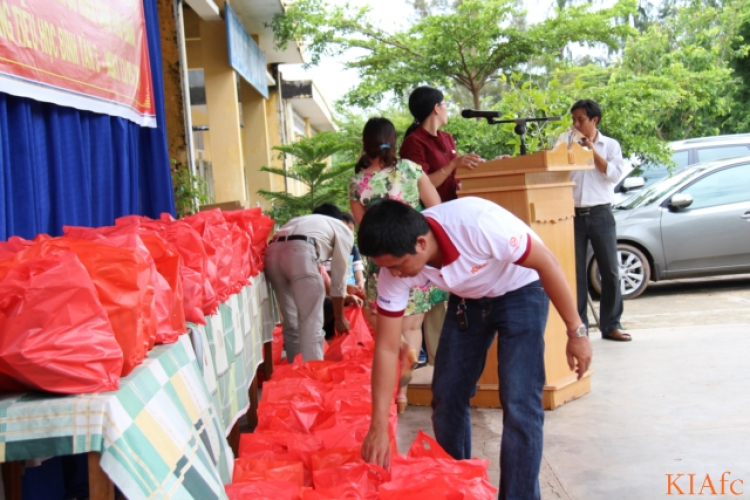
x=654, y=172
x=731, y=185
x=680, y=159
x=719, y=153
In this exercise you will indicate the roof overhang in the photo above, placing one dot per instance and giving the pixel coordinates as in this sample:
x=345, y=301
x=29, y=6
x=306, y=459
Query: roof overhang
x=308, y=102
x=254, y=15
x=206, y=9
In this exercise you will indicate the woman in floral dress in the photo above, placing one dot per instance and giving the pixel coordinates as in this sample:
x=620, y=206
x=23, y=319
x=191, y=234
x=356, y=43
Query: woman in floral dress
x=379, y=176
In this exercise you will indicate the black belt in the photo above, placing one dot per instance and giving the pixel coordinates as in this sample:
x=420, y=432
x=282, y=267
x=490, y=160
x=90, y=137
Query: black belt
x=294, y=237
x=583, y=211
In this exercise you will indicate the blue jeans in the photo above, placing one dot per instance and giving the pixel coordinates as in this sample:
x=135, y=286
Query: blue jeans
x=519, y=318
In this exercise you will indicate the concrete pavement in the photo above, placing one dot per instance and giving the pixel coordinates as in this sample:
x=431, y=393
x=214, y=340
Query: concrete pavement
x=674, y=401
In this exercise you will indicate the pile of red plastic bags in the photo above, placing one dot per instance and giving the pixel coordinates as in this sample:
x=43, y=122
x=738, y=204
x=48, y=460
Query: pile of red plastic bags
x=313, y=418
x=79, y=311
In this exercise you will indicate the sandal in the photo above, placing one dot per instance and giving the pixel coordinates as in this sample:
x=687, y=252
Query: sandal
x=402, y=403
x=408, y=367
x=618, y=336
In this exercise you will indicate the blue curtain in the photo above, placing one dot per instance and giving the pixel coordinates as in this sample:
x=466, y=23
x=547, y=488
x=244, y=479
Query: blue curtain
x=60, y=166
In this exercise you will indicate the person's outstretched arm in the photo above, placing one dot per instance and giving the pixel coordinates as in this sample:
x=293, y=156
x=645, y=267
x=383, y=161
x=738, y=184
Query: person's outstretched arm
x=553, y=280
x=376, y=446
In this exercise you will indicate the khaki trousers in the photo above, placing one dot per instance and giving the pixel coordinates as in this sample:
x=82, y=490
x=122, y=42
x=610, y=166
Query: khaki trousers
x=292, y=270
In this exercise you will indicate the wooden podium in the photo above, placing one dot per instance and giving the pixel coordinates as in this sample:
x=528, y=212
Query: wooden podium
x=537, y=189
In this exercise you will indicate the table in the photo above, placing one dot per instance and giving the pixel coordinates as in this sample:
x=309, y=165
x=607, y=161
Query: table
x=163, y=433
x=230, y=347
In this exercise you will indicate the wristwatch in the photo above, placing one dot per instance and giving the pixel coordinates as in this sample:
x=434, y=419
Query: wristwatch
x=579, y=332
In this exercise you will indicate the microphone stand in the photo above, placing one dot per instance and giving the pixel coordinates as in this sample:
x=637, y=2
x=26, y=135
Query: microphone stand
x=521, y=125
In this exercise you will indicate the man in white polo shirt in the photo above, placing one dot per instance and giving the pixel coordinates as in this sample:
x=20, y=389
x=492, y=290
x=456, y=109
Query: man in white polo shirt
x=593, y=195
x=498, y=272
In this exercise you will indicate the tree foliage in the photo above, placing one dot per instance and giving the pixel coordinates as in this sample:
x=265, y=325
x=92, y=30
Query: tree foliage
x=674, y=81
x=467, y=46
x=311, y=168
x=674, y=70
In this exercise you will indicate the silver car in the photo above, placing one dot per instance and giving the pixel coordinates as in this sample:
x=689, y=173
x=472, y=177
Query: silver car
x=693, y=224
x=684, y=153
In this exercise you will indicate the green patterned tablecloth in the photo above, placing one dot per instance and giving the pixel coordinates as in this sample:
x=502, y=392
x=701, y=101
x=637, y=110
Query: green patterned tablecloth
x=230, y=348
x=159, y=435
x=163, y=433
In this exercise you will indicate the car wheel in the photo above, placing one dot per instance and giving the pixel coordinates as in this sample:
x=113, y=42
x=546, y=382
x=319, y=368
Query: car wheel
x=635, y=272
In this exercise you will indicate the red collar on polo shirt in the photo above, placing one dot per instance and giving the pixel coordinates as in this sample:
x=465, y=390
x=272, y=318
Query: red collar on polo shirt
x=447, y=248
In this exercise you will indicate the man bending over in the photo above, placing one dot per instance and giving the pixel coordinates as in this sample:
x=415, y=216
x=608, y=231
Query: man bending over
x=501, y=278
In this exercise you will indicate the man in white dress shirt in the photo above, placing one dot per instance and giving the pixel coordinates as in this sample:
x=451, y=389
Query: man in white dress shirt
x=593, y=195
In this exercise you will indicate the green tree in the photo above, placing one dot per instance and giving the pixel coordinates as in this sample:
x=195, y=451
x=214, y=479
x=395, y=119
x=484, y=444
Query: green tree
x=190, y=191
x=674, y=80
x=467, y=46
x=739, y=119
x=311, y=168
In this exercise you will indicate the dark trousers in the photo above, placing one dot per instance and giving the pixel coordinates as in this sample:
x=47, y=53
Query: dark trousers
x=518, y=318
x=598, y=227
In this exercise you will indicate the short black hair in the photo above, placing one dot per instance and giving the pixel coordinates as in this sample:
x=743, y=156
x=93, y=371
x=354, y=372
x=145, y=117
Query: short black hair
x=348, y=218
x=328, y=209
x=391, y=228
x=591, y=108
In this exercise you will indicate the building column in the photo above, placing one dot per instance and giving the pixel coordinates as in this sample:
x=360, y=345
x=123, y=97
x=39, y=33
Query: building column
x=223, y=114
x=275, y=124
x=257, y=147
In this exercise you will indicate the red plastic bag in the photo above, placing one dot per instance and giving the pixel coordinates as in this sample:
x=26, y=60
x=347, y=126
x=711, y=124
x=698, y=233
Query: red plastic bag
x=241, y=267
x=253, y=469
x=217, y=240
x=358, y=338
x=169, y=264
x=425, y=446
x=404, y=467
x=346, y=491
x=54, y=333
x=165, y=263
x=15, y=244
x=277, y=345
x=269, y=445
x=299, y=415
x=259, y=228
x=336, y=457
x=279, y=445
x=263, y=490
x=291, y=389
x=153, y=305
x=317, y=370
x=343, y=431
x=243, y=225
x=365, y=476
x=199, y=296
x=437, y=487
x=121, y=278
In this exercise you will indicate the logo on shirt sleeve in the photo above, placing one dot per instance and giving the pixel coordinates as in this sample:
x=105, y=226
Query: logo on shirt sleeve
x=384, y=301
x=515, y=244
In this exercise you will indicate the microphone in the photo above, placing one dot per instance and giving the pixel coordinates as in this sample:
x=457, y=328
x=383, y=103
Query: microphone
x=474, y=113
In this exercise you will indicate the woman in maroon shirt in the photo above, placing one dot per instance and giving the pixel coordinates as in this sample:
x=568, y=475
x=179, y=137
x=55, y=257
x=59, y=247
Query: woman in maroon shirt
x=432, y=148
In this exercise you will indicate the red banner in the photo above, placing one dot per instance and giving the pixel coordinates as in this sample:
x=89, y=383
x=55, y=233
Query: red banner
x=86, y=54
